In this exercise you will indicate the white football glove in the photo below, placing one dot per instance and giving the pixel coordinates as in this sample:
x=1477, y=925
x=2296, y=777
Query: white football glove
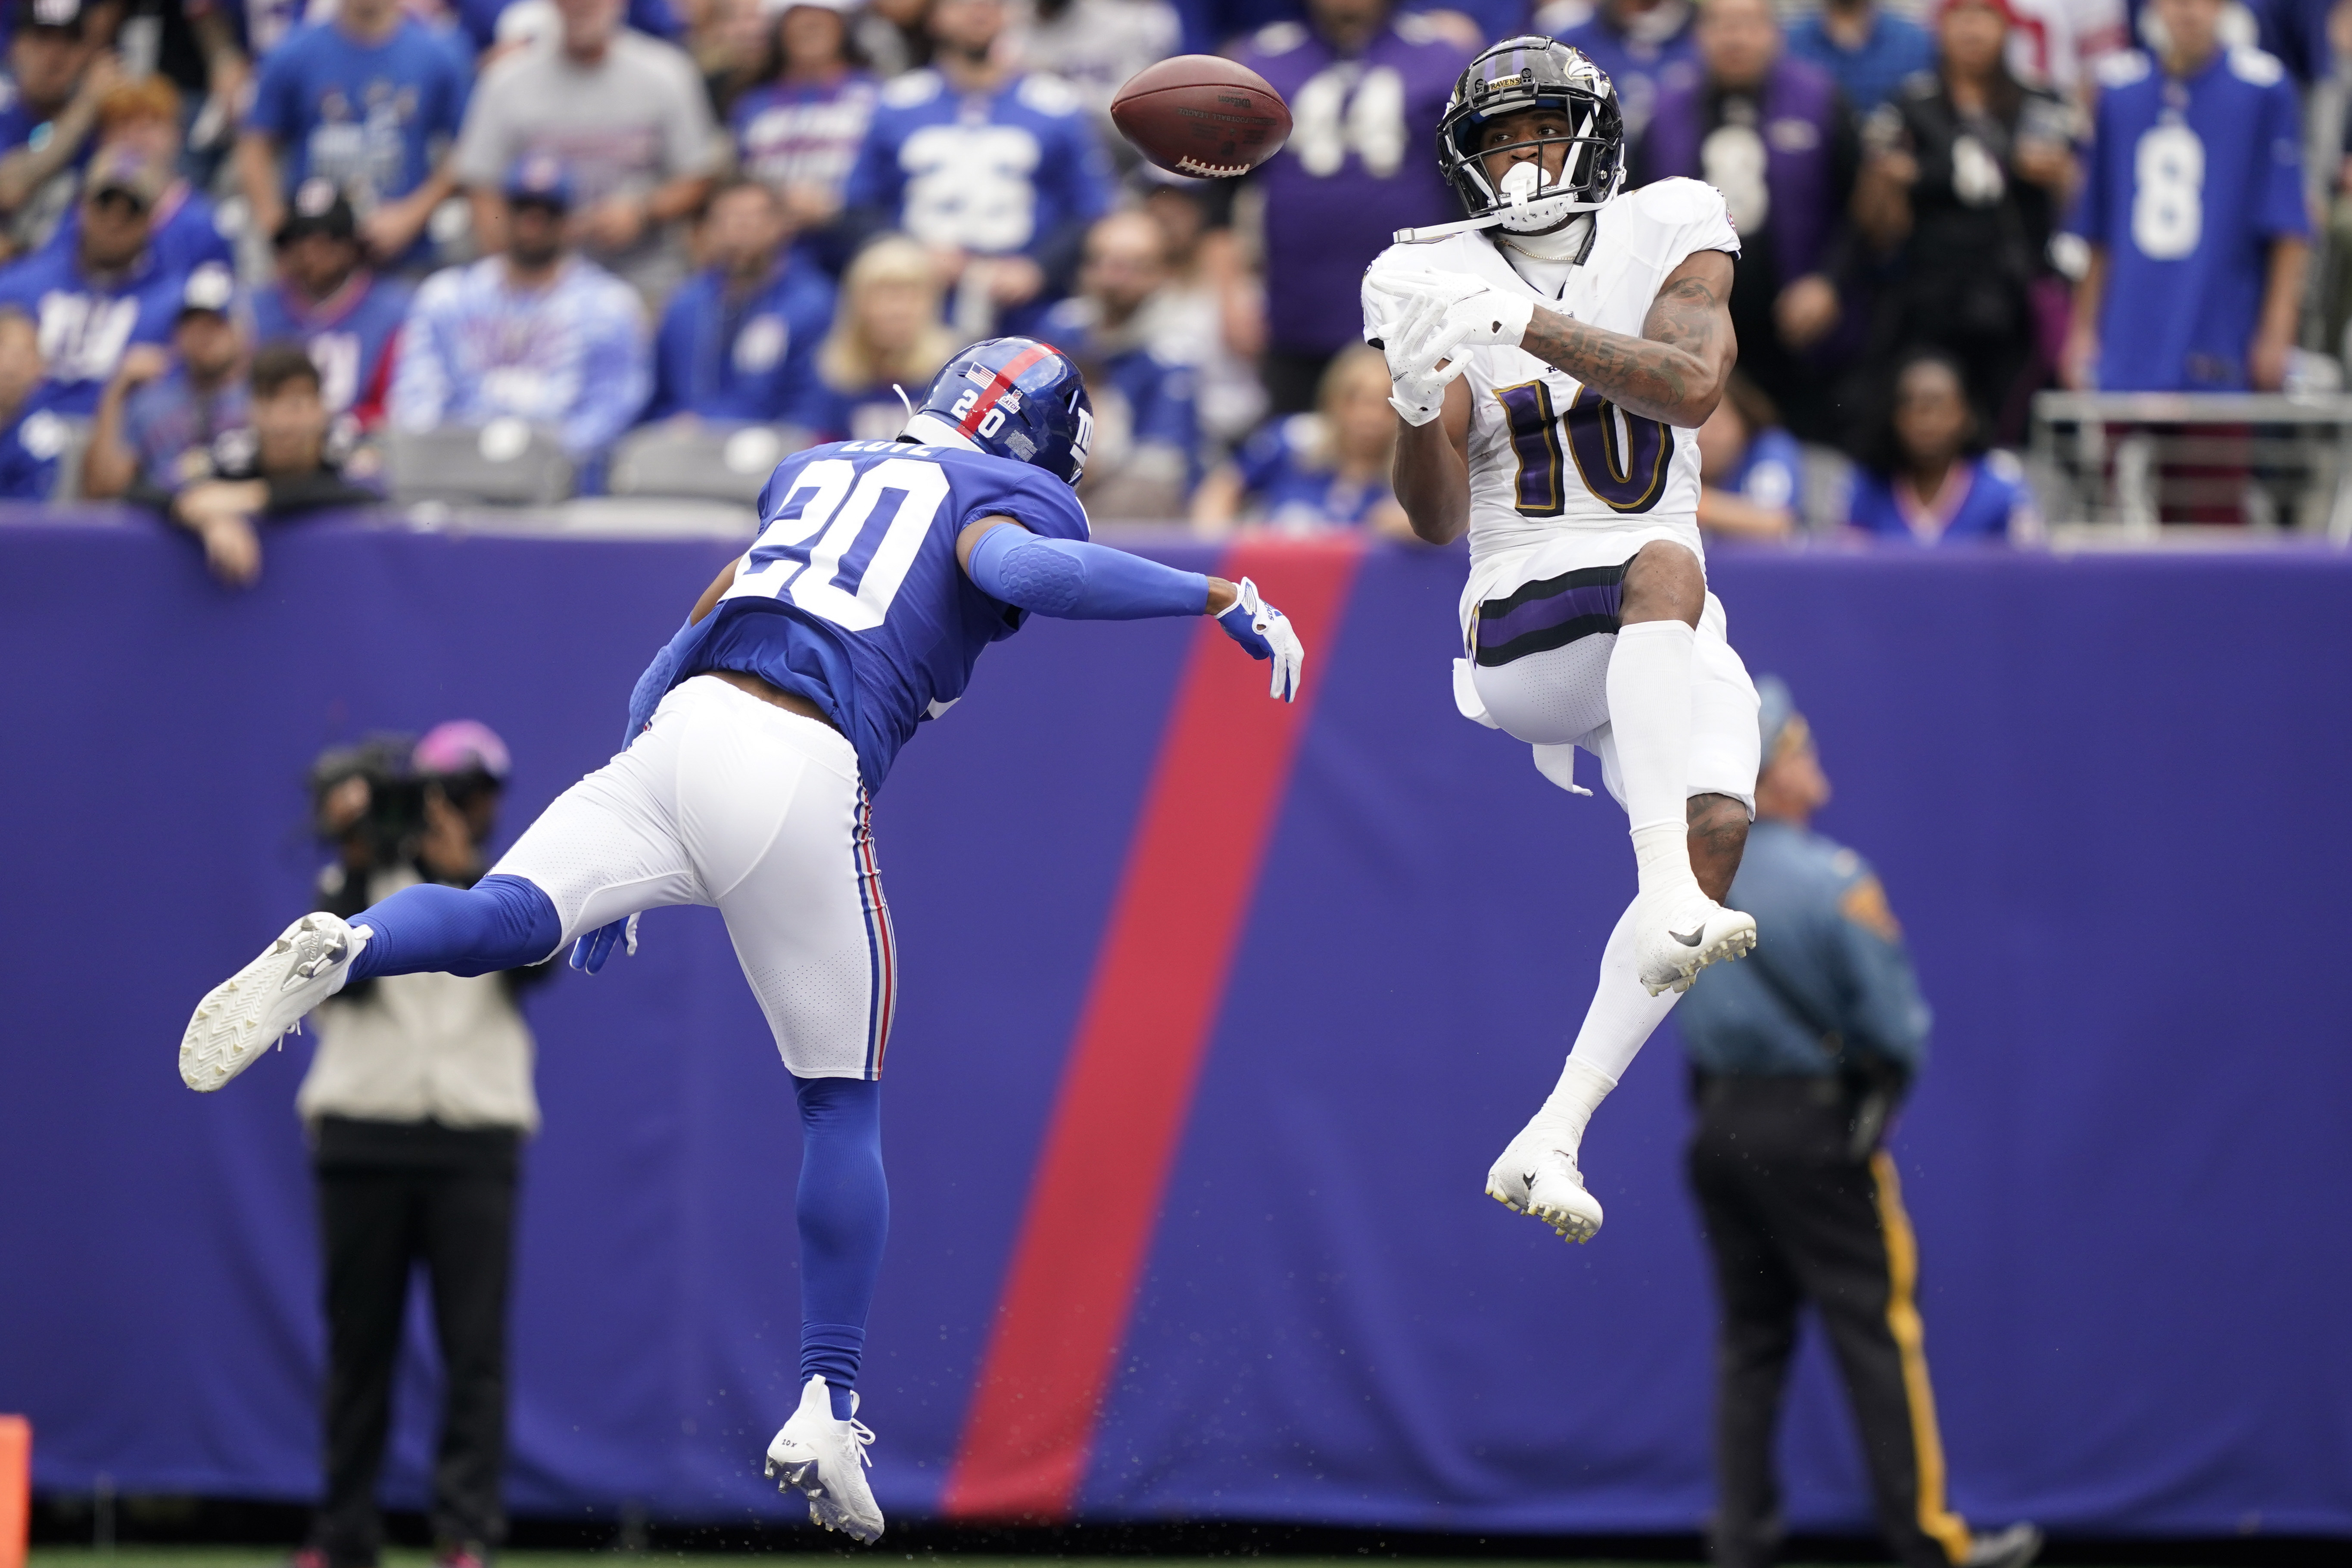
x=1443, y=312
x=1267, y=634
x=1417, y=392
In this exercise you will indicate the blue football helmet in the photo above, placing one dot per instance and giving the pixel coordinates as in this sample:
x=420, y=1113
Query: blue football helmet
x=1011, y=397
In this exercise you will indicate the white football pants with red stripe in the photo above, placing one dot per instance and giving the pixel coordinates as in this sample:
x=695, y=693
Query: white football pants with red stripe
x=732, y=802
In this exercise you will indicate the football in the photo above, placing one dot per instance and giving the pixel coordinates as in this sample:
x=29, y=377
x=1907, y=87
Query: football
x=1201, y=115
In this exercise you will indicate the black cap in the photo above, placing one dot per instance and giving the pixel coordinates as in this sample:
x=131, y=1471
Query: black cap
x=318, y=207
x=61, y=15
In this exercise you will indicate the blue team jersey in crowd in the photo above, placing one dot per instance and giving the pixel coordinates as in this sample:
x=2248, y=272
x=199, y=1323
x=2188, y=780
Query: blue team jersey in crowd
x=752, y=358
x=30, y=443
x=1290, y=487
x=1985, y=500
x=994, y=174
x=1868, y=75
x=804, y=133
x=1770, y=471
x=86, y=326
x=364, y=116
x=2187, y=185
x=349, y=336
x=852, y=596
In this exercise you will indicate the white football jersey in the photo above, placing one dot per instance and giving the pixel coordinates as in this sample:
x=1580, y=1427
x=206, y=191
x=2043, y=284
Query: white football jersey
x=1549, y=459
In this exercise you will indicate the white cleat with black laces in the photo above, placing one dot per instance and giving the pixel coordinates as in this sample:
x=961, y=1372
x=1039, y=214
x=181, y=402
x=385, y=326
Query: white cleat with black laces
x=1675, y=937
x=245, y=1015
x=1538, y=1176
x=823, y=1457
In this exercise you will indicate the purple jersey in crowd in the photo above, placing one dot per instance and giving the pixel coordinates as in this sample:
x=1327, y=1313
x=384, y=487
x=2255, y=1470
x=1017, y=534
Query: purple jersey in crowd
x=349, y=335
x=1357, y=166
x=2185, y=186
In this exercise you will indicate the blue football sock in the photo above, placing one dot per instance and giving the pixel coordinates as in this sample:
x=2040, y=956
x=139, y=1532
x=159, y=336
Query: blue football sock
x=499, y=923
x=844, y=1210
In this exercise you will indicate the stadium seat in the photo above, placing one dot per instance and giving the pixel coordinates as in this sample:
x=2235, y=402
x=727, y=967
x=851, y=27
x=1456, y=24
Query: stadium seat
x=72, y=442
x=706, y=461
x=505, y=462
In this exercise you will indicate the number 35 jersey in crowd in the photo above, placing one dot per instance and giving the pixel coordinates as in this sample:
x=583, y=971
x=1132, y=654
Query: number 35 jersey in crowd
x=1561, y=479
x=852, y=596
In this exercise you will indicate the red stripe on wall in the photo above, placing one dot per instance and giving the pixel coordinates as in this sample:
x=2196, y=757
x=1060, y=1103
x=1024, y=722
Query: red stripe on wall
x=1158, y=989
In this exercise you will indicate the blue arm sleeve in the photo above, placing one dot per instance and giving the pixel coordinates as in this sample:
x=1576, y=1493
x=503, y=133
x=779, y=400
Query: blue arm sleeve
x=1073, y=580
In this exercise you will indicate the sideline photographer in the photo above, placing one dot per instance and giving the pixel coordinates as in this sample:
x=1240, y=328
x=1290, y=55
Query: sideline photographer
x=416, y=1102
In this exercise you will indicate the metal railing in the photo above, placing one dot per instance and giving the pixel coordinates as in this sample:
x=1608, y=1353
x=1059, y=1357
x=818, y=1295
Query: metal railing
x=2137, y=460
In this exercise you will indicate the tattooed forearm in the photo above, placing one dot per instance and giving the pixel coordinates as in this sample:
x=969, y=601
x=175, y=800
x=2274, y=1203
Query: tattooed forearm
x=1674, y=371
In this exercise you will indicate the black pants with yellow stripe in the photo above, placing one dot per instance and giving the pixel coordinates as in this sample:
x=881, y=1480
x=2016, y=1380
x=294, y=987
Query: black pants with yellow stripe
x=1792, y=1219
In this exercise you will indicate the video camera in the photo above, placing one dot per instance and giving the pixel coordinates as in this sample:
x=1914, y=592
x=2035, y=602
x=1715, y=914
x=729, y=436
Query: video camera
x=376, y=787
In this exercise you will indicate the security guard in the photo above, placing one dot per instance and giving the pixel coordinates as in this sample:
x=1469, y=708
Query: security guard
x=1800, y=1052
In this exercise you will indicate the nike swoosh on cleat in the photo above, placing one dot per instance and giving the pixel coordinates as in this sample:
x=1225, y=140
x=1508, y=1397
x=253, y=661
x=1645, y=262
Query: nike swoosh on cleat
x=1691, y=940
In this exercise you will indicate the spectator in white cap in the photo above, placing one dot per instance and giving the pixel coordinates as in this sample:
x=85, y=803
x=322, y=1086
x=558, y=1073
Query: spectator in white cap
x=169, y=417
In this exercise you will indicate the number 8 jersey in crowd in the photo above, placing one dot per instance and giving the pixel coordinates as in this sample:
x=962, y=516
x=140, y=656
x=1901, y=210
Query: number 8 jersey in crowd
x=852, y=595
x=1561, y=479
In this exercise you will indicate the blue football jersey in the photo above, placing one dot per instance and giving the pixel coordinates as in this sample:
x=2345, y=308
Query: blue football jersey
x=991, y=174
x=2187, y=184
x=852, y=596
x=752, y=358
x=85, y=325
x=366, y=117
x=348, y=335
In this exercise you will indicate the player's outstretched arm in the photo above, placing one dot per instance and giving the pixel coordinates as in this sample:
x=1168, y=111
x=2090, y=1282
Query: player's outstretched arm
x=1072, y=580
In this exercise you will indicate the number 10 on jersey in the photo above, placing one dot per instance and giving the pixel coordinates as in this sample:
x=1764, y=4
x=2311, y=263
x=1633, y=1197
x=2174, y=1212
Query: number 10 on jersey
x=1622, y=458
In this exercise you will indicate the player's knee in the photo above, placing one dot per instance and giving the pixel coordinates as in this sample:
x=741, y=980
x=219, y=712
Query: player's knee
x=1718, y=837
x=1663, y=582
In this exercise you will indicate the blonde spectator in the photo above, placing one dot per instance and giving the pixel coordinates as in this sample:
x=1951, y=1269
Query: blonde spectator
x=1315, y=471
x=886, y=333
x=1749, y=469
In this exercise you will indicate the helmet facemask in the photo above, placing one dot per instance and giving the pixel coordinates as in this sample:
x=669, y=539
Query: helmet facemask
x=1519, y=76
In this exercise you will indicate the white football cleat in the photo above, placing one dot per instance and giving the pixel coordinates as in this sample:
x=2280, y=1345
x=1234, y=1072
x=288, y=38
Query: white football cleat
x=1537, y=1176
x=1673, y=942
x=243, y=1015
x=824, y=1459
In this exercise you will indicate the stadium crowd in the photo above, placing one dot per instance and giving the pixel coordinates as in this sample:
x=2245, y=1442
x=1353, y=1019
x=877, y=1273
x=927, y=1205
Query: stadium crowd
x=246, y=243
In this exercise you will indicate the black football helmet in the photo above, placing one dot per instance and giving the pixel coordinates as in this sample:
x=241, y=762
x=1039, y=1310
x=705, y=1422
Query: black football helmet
x=1523, y=73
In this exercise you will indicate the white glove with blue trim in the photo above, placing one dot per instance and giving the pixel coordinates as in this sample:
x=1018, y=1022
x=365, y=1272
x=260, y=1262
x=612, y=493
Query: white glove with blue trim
x=1266, y=632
